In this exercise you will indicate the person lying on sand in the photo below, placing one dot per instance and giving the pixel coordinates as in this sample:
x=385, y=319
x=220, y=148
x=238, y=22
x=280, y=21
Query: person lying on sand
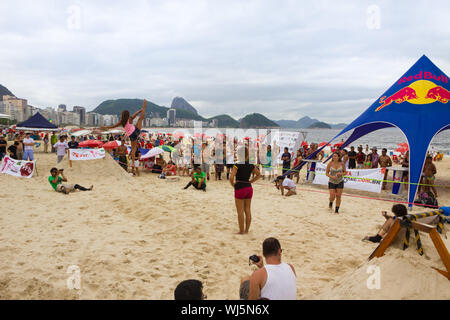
x=399, y=210
x=56, y=179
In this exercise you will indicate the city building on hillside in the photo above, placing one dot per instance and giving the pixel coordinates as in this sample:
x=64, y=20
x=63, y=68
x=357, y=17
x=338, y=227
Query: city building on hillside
x=62, y=108
x=15, y=107
x=81, y=111
x=172, y=117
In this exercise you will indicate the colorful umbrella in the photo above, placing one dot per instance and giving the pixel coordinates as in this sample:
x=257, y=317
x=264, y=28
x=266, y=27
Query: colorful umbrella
x=152, y=152
x=90, y=144
x=167, y=148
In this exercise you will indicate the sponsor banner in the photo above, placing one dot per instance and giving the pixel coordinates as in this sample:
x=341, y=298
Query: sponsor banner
x=18, y=168
x=86, y=154
x=365, y=179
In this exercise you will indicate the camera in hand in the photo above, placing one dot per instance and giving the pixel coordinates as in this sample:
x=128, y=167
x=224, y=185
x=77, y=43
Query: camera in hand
x=254, y=258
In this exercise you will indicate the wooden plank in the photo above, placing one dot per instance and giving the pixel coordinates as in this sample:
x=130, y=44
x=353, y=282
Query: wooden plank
x=445, y=274
x=387, y=241
x=441, y=249
x=422, y=226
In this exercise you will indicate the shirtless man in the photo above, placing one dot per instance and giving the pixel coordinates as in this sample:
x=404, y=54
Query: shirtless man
x=385, y=161
x=429, y=171
x=121, y=152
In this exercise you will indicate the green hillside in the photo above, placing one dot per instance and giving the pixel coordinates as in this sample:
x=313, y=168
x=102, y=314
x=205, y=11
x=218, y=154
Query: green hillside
x=319, y=125
x=225, y=121
x=256, y=120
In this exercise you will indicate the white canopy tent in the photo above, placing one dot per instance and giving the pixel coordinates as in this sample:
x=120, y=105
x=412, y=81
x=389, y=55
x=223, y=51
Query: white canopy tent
x=4, y=116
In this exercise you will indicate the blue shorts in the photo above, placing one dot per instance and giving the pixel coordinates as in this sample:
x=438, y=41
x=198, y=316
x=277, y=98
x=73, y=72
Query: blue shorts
x=28, y=155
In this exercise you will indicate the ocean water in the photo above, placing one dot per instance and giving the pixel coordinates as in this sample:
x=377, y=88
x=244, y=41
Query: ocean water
x=388, y=138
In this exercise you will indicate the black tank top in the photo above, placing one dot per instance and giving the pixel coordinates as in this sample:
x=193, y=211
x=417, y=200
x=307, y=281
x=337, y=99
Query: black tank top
x=244, y=172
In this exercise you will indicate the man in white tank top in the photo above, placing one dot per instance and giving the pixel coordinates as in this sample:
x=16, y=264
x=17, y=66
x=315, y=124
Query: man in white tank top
x=276, y=280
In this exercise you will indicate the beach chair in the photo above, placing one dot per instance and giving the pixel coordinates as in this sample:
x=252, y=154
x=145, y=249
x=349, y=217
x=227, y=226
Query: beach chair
x=410, y=222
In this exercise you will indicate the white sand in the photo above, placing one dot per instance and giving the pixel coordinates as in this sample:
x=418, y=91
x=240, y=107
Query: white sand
x=137, y=238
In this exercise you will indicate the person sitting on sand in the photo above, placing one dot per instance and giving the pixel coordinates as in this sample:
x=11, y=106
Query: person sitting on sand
x=189, y=290
x=284, y=182
x=198, y=179
x=399, y=210
x=276, y=280
x=56, y=179
x=170, y=169
x=429, y=171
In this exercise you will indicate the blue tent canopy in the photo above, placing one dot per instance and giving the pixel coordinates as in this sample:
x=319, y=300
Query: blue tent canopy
x=36, y=122
x=417, y=104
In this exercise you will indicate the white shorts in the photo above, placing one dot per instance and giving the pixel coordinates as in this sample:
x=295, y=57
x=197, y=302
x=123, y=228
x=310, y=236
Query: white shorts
x=136, y=163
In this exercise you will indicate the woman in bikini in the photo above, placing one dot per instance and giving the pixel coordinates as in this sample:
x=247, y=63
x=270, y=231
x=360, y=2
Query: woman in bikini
x=131, y=130
x=368, y=162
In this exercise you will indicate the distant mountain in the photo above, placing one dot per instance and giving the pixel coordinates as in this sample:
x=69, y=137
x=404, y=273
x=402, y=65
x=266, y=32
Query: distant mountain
x=133, y=105
x=301, y=123
x=306, y=122
x=4, y=91
x=181, y=104
x=287, y=123
x=319, y=125
x=225, y=121
x=256, y=120
x=338, y=126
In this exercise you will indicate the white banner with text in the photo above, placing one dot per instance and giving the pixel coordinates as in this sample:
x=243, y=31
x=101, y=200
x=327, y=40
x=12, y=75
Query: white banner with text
x=86, y=154
x=365, y=179
x=18, y=168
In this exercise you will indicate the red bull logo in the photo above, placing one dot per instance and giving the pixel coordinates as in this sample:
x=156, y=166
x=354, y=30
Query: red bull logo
x=419, y=91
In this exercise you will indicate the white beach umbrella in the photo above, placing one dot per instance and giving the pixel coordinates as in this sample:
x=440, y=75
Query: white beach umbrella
x=80, y=133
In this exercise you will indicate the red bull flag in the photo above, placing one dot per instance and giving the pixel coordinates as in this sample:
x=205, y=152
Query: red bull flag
x=418, y=105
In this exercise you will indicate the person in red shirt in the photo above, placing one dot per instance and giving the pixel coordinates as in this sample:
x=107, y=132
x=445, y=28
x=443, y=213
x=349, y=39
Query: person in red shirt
x=170, y=169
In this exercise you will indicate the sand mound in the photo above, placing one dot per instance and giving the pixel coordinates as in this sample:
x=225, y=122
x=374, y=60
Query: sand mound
x=403, y=275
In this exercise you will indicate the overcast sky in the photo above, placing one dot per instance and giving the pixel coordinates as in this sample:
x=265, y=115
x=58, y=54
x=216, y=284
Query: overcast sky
x=286, y=59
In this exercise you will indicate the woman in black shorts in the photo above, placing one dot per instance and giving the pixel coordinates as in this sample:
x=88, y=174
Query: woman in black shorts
x=335, y=171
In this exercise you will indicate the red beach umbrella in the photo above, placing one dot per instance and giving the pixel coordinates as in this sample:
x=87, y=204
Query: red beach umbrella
x=401, y=149
x=90, y=144
x=112, y=144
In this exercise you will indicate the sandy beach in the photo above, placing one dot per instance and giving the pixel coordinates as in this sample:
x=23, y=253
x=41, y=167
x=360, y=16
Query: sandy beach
x=137, y=238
